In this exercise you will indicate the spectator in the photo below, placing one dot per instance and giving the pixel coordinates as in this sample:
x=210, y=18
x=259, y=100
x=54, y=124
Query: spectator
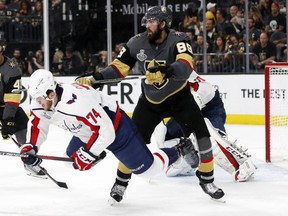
x=199, y=49
x=35, y=61
x=257, y=17
x=265, y=51
x=19, y=61
x=233, y=56
x=264, y=7
x=275, y=22
x=211, y=10
x=14, y=6
x=103, y=61
x=236, y=18
x=217, y=59
x=210, y=30
x=37, y=13
x=223, y=26
x=254, y=33
x=36, y=21
x=190, y=19
x=25, y=11
x=275, y=26
x=191, y=34
x=57, y=61
x=72, y=63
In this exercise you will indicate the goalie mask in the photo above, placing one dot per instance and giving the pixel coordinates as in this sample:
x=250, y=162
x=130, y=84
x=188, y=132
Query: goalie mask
x=159, y=13
x=41, y=81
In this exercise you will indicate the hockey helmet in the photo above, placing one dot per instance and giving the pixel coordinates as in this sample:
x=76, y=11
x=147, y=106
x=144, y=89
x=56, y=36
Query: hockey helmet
x=40, y=82
x=161, y=13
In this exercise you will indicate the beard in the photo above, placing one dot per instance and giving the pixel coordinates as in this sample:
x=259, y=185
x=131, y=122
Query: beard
x=153, y=36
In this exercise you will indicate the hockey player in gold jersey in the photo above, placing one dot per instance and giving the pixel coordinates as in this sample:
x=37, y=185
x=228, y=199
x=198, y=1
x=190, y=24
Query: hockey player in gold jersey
x=13, y=118
x=165, y=57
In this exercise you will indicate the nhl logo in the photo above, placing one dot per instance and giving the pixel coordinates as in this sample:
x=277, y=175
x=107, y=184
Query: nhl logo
x=141, y=56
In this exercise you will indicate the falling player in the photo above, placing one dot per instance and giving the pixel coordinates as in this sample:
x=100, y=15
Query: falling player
x=96, y=123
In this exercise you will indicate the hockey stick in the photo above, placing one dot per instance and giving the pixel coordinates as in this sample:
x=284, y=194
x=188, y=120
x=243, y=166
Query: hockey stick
x=60, y=184
x=19, y=90
x=47, y=157
x=117, y=80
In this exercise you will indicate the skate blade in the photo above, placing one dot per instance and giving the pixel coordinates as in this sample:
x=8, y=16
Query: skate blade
x=221, y=200
x=37, y=176
x=112, y=201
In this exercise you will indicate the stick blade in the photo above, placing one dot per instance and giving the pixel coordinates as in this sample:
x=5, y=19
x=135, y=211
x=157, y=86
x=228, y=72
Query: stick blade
x=62, y=185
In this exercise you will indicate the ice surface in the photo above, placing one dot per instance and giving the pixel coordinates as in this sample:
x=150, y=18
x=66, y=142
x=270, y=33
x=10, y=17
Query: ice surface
x=265, y=194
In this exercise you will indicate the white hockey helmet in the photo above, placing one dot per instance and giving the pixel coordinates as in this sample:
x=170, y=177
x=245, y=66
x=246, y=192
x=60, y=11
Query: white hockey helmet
x=40, y=82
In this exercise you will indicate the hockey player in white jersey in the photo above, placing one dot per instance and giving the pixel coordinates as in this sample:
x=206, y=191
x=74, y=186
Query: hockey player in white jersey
x=96, y=123
x=227, y=154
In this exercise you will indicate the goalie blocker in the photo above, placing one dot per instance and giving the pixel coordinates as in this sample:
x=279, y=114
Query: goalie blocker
x=227, y=155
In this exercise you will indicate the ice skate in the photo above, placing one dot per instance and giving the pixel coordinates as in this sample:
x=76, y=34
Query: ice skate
x=210, y=188
x=186, y=148
x=117, y=193
x=180, y=168
x=35, y=171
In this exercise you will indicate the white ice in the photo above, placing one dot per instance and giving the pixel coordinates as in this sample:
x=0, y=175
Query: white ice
x=265, y=194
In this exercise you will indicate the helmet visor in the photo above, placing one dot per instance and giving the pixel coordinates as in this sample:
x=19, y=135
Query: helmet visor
x=149, y=21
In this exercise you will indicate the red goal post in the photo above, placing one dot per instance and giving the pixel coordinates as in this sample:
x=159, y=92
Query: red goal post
x=276, y=111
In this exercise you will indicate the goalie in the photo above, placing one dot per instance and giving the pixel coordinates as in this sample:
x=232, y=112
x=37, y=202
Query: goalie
x=227, y=154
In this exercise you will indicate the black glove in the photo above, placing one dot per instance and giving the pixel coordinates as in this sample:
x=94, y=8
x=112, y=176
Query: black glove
x=7, y=127
x=31, y=150
x=97, y=76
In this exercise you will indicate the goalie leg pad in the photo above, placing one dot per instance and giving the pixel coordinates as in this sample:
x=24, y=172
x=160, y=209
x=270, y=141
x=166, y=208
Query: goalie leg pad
x=180, y=168
x=246, y=170
x=229, y=156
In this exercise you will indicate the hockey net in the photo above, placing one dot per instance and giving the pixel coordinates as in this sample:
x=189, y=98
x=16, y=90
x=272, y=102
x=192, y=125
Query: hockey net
x=276, y=112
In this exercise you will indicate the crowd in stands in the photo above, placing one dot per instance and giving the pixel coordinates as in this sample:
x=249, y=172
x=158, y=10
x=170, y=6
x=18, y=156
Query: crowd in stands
x=226, y=34
x=21, y=21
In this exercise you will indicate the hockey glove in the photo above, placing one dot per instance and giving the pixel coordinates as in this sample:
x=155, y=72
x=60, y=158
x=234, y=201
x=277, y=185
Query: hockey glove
x=156, y=72
x=7, y=127
x=90, y=78
x=84, y=160
x=154, y=77
x=31, y=150
x=165, y=70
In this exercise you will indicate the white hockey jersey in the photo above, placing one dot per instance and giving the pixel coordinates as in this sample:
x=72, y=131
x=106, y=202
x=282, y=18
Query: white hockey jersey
x=80, y=111
x=205, y=91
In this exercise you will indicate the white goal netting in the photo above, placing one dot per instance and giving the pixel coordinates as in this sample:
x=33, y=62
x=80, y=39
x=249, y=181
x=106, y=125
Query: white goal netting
x=276, y=112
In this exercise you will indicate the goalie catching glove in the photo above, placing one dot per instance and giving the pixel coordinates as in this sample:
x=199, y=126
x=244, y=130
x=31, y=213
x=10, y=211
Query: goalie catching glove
x=155, y=72
x=90, y=79
x=84, y=160
x=30, y=150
